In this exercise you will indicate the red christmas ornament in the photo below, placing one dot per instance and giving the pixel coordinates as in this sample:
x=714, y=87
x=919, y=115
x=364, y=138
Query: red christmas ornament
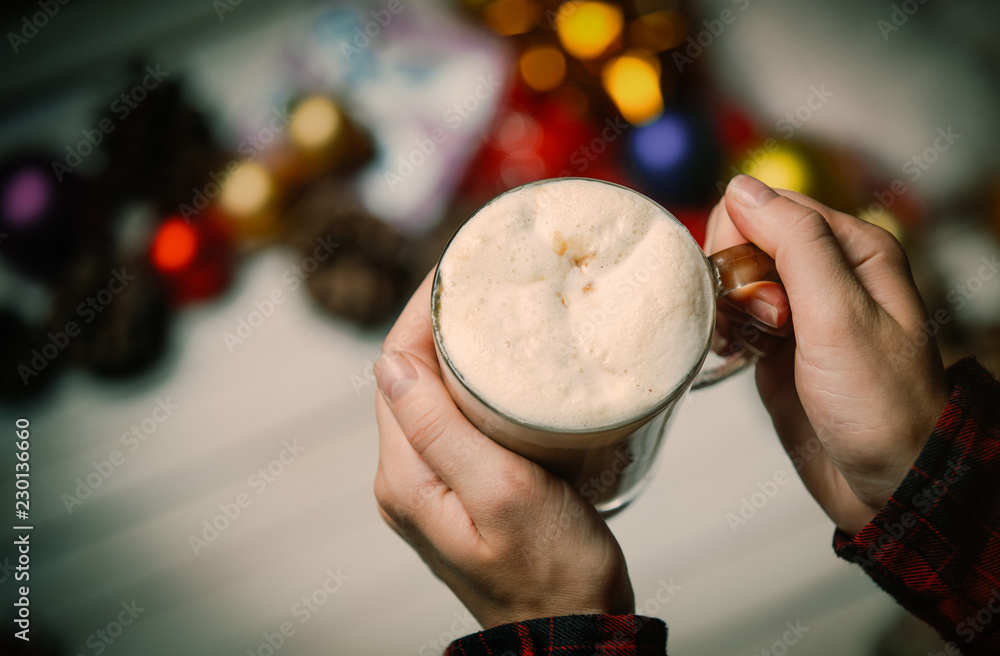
x=194, y=259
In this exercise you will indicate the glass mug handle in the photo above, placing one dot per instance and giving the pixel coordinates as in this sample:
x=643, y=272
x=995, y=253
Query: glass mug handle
x=736, y=267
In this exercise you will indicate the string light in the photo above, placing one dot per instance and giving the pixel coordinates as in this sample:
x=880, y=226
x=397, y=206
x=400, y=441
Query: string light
x=174, y=246
x=248, y=192
x=316, y=123
x=633, y=82
x=588, y=29
x=509, y=17
x=543, y=67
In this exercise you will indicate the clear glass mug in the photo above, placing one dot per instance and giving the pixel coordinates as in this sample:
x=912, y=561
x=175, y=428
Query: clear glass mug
x=611, y=464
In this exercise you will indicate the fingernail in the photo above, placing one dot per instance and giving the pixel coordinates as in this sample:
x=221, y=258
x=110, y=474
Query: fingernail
x=749, y=192
x=763, y=311
x=394, y=374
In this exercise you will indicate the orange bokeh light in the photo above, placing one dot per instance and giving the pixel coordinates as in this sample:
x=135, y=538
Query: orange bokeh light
x=174, y=246
x=509, y=17
x=543, y=67
x=588, y=29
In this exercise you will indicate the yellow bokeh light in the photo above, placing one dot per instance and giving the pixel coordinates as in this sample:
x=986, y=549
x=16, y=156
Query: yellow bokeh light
x=315, y=123
x=785, y=168
x=248, y=191
x=633, y=82
x=509, y=17
x=543, y=67
x=587, y=29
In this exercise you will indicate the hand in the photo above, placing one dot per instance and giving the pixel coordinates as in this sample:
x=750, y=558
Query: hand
x=511, y=540
x=858, y=374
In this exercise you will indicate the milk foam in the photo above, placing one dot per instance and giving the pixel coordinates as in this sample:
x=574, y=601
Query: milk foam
x=573, y=304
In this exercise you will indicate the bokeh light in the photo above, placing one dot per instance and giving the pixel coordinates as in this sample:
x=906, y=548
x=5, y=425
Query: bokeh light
x=26, y=196
x=785, y=168
x=658, y=31
x=509, y=17
x=174, y=246
x=543, y=67
x=676, y=157
x=316, y=123
x=633, y=82
x=248, y=192
x=588, y=29
x=663, y=146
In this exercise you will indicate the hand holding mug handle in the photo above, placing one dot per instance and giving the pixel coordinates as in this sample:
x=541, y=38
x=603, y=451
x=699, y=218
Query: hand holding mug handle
x=856, y=390
x=744, y=274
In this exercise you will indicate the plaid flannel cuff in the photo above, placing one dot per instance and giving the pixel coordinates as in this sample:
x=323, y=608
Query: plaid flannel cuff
x=573, y=635
x=935, y=546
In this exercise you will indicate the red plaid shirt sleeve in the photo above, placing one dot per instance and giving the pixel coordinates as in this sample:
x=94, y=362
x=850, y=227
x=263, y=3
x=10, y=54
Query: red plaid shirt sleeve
x=935, y=546
x=572, y=635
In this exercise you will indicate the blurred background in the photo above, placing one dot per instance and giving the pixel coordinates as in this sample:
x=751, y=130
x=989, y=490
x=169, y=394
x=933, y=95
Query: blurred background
x=211, y=212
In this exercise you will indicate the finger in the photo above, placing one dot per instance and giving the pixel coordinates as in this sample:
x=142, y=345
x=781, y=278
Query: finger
x=400, y=465
x=466, y=460
x=735, y=332
x=876, y=258
x=413, y=500
x=412, y=331
x=720, y=232
x=808, y=255
x=764, y=301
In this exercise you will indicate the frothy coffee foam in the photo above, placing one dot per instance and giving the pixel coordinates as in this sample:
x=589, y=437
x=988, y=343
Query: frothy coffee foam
x=573, y=304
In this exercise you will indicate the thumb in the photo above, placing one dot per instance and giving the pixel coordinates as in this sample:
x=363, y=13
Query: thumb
x=808, y=256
